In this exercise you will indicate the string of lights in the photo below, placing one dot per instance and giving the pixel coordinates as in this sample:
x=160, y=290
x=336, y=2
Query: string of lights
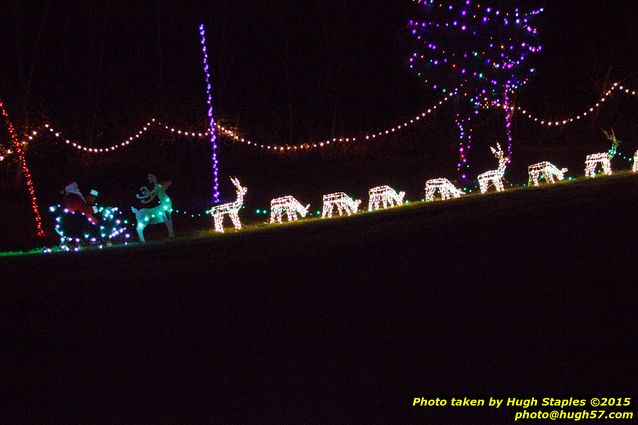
x=25, y=169
x=616, y=87
x=235, y=137
x=49, y=129
x=211, y=119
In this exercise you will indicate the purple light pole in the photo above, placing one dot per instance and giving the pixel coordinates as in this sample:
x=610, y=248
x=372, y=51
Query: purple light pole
x=211, y=120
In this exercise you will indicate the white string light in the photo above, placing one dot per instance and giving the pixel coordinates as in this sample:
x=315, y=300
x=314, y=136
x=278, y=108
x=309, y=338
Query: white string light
x=634, y=167
x=547, y=170
x=445, y=188
x=342, y=202
x=616, y=87
x=288, y=205
x=236, y=138
x=231, y=209
x=494, y=176
x=384, y=195
x=78, y=146
x=562, y=122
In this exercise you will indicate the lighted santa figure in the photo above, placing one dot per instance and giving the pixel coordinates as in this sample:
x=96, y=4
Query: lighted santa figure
x=74, y=201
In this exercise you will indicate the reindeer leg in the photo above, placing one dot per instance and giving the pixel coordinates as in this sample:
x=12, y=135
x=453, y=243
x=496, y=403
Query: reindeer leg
x=234, y=217
x=168, y=220
x=140, y=232
x=219, y=223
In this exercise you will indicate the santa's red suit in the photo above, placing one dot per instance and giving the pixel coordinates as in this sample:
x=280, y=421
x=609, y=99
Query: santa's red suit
x=75, y=202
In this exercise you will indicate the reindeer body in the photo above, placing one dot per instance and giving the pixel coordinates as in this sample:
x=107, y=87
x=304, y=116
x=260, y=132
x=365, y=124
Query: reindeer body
x=594, y=160
x=445, y=188
x=343, y=202
x=384, y=195
x=288, y=205
x=157, y=215
x=494, y=176
x=231, y=209
x=547, y=170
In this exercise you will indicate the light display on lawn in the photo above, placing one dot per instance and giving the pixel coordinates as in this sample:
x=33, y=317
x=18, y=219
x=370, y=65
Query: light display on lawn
x=286, y=205
x=76, y=231
x=211, y=119
x=444, y=187
x=162, y=213
x=231, y=209
x=494, y=177
x=634, y=167
x=384, y=195
x=483, y=48
x=547, y=170
x=602, y=159
x=342, y=202
x=25, y=170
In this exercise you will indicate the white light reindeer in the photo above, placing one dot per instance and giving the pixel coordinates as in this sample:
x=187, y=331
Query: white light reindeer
x=547, y=170
x=158, y=214
x=231, y=209
x=445, y=188
x=494, y=176
x=634, y=167
x=288, y=205
x=343, y=202
x=385, y=195
x=603, y=159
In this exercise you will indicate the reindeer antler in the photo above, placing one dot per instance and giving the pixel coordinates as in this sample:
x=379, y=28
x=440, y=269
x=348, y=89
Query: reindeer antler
x=145, y=193
x=614, y=142
x=148, y=195
x=498, y=153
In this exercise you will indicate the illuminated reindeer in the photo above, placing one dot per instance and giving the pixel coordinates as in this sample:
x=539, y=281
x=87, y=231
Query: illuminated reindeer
x=288, y=205
x=385, y=195
x=494, y=176
x=634, y=167
x=343, y=202
x=603, y=159
x=231, y=208
x=547, y=170
x=158, y=214
x=445, y=188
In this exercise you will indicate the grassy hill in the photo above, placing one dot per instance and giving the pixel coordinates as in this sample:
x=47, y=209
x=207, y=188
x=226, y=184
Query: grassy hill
x=527, y=292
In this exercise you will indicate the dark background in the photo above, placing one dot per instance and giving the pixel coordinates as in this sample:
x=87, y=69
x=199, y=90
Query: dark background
x=285, y=71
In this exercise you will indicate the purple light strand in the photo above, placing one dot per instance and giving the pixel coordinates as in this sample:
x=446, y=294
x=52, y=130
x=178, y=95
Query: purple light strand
x=508, y=123
x=211, y=120
x=465, y=144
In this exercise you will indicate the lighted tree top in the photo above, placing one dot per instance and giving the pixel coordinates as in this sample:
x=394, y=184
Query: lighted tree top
x=482, y=49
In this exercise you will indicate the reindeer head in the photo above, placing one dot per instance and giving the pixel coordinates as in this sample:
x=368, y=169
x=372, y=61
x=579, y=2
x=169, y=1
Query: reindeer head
x=502, y=160
x=304, y=210
x=241, y=191
x=614, y=142
x=356, y=206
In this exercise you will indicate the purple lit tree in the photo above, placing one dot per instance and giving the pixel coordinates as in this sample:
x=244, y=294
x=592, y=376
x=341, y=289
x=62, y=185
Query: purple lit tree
x=482, y=50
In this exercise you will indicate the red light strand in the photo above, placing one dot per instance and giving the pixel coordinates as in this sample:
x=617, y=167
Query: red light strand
x=25, y=170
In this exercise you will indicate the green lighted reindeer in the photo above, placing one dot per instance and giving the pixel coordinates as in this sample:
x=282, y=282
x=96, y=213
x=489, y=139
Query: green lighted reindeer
x=604, y=159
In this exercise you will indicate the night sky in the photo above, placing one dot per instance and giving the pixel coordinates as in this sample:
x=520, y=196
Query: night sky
x=282, y=71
